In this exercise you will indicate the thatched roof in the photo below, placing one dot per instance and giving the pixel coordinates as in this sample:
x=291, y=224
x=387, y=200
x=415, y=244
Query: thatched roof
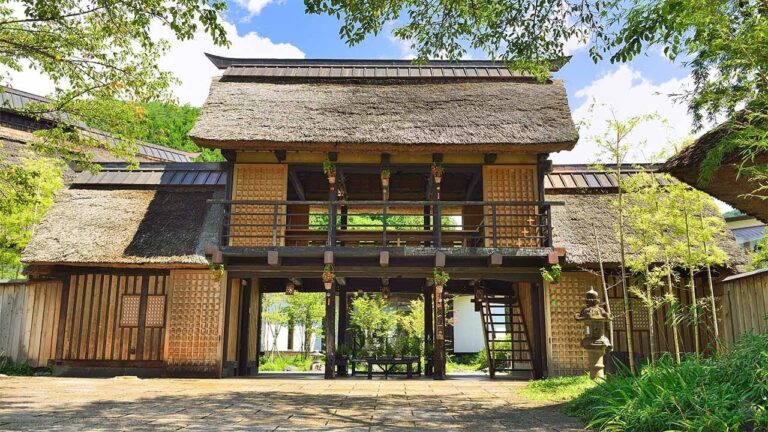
x=572, y=228
x=309, y=113
x=88, y=226
x=727, y=186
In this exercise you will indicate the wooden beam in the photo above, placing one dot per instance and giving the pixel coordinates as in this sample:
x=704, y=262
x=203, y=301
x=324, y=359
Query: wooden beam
x=439, y=344
x=328, y=257
x=297, y=186
x=343, y=324
x=490, y=158
x=428, y=328
x=243, y=336
x=280, y=155
x=439, y=259
x=437, y=157
x=384, y=258
x=333, y=156
x=495, y=260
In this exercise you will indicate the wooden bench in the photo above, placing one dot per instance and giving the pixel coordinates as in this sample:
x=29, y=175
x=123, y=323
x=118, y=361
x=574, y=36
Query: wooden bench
x=388, y=364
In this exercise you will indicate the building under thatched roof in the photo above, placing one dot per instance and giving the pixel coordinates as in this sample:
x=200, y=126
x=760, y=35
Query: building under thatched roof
x=727, y=185
x=130, y=220
x=295, y=105
x=588, y=207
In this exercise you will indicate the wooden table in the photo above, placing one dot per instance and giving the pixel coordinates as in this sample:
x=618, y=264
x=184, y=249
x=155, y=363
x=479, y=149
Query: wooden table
x=387, y=364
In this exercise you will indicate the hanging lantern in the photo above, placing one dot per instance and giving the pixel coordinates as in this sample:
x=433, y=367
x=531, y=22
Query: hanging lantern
x=290, y=287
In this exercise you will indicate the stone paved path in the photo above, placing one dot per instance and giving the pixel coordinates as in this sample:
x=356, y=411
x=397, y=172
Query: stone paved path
x=45, y=403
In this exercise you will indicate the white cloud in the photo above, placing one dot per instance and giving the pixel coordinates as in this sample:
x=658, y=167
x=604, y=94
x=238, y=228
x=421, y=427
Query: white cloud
x=626, y=92
x=187, y=60
x=254, y=7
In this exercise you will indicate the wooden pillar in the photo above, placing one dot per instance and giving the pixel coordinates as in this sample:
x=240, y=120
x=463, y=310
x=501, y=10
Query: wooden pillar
x=255, y=285
x=439, y=344
x=428, y=330
x=243, y=331
x=342, y=337
x=330, y=333
x=538, y=325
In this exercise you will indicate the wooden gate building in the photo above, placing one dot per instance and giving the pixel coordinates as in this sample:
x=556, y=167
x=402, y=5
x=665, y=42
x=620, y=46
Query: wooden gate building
x=161, y=271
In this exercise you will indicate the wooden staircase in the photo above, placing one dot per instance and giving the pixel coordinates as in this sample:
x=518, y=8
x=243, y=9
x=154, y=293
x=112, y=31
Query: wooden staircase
x=507, y=345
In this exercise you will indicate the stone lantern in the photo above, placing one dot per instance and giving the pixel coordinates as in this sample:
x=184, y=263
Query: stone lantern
x=595, y=341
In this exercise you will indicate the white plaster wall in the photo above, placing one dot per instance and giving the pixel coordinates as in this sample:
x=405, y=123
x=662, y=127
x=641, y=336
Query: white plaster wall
x=468, y=326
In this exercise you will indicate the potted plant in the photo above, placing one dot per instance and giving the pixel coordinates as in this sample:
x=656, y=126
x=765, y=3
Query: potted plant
x=440, y=277
x=552, y=274
x=217, y=271
x=437, y=172
x=329, y=168
x=328, y=277
x=385, y=178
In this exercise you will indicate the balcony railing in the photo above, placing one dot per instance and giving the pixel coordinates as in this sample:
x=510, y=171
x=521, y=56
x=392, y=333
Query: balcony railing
x=438, y=224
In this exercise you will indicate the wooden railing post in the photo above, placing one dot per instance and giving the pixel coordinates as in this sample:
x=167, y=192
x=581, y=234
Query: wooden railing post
x=437, y=224
x=384, y=231
x=274, y=225
x=493, y=225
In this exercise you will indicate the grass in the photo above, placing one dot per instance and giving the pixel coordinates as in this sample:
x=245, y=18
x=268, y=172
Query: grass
x=280, y=363
x=465, y=363
x=8, y=367
x=558, y=389
x=725, y=393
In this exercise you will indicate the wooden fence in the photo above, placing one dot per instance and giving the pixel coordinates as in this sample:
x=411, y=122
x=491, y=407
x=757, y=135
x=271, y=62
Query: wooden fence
x=744, y=305
x=29, y=320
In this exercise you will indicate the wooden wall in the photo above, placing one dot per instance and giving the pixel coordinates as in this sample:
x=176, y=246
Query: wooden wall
x=29, y=314
x=745, y=306
x=511, y=183
x=258, y=182
x=114, y=318
x=195, y=323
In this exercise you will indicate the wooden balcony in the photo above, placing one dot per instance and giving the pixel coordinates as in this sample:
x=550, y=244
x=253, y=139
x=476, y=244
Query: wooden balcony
x=338, y=225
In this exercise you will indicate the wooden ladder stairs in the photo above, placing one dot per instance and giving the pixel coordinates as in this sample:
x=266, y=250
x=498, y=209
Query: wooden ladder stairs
x=505, y=331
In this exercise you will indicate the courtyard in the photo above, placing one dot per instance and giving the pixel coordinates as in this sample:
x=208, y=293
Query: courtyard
x=273, y=403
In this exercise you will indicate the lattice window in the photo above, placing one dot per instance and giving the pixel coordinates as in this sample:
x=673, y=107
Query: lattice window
x=129, y=315
x=516, y=224
x=155, y=311
x=252, y=224
x=565, y=300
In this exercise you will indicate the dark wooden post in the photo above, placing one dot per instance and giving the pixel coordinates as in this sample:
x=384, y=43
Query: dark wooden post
x=539, y=330
x=437, y=225
x=330, y=333
x=244, y=336
x=259, y=309
x=428, y=330
x=439, y=344
x=342, y=337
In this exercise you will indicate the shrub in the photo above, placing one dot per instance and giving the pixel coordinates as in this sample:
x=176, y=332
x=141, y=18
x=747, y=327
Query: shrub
x=729, y=392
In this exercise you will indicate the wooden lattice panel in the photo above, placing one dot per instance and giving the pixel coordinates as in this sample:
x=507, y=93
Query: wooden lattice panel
x=129, y=312
x=261, y=182
x=194, y=322
x=511, y=183
x=155, y=311
x=566, y=299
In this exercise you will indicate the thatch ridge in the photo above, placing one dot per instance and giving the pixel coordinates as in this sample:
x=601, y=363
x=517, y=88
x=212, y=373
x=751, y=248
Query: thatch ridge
x=367, y=115
x=88, y=226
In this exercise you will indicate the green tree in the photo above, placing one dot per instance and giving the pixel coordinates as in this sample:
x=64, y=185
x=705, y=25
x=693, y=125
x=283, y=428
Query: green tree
x=307, y=311
x=17, y=223
x=275, y=319
x=374, y=319
x=93, y=49
x=759, y=258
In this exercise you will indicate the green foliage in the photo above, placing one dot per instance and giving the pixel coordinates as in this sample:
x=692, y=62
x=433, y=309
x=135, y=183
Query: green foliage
x=278, y=364
x=728, y=392
x=99, y=50
x=440, y=276
x=306, y=310
x=18, y=218
x=7, y=367
x=552, y=274
x=466, y=362
x=528, y=35
x=329, y=168
x=374, y=320
x=558, y=389
x=163, y=123
x=759, y=258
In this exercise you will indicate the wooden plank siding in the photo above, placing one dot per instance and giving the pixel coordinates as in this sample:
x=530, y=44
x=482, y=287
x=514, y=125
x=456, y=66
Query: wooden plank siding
x=744, y=304
x=29, y=320
x=92, y=329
